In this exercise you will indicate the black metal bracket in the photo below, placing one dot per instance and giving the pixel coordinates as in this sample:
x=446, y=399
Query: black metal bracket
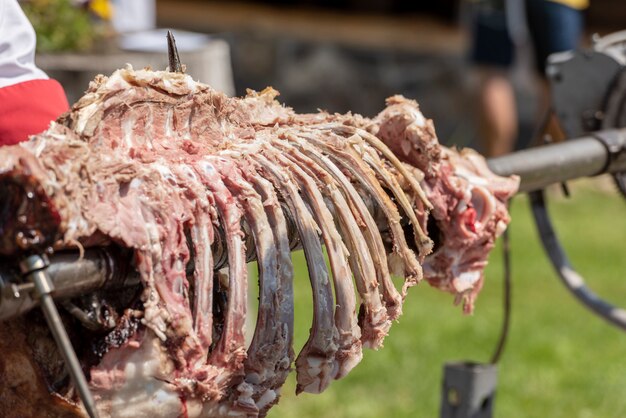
x=468, y=390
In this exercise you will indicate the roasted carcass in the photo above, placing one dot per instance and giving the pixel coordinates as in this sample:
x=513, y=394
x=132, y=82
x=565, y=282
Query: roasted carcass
x=181, y=176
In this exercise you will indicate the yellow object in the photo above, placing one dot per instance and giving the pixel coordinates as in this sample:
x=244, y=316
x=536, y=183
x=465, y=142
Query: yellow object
x=102, y=8
x=574, y=4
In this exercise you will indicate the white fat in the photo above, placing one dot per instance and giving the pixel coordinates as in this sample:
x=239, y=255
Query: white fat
x=500, y=228
x=418, y=118
x=191, y=84
x=206, y=167
x=492, y=204
x=187, y=129
x=127, y=130
x=205, y=264
x=467, y=193
x=56, y=136
x=357, y=143
x=154, y=316
x=135, y=183
x=406, y=146
x=41, y=145
x=186, y=170
x=466, y=280
x=164, y=171
x=179, y=286
x=460, y=208
x=237, y=150
x=487, y=206
x=471, y=177
x=143, y=395
x=116, y=81
x=193, y=407
x=169, y=120
x=75, y=224
x=314, y=361
x=147, y=126
x=151, y=324
x=85, y=114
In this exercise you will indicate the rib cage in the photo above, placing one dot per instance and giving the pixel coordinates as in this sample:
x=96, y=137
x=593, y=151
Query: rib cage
x=149, y=159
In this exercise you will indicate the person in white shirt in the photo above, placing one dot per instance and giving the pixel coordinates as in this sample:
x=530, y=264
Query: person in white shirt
x=29, y=100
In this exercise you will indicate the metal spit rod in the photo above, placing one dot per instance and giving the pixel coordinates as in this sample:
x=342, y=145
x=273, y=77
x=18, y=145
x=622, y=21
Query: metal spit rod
x=539, y=167
x=72, y=275
x=34, y=269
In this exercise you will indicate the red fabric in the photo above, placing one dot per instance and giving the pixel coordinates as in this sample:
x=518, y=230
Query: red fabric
x=28, y=108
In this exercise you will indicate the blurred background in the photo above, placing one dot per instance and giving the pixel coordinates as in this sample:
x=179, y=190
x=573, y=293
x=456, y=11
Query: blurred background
x=350, y=55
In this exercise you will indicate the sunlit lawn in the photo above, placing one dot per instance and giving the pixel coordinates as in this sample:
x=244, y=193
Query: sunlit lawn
x=560, y=361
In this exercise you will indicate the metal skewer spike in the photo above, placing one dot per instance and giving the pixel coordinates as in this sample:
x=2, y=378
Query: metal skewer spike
x=172, y=54
x=34, y=268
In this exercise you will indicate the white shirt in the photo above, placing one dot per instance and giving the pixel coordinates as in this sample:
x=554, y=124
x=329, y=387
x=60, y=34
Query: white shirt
x=17, y=46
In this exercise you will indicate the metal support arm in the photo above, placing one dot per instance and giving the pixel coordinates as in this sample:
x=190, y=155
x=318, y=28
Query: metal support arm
x=599, y=153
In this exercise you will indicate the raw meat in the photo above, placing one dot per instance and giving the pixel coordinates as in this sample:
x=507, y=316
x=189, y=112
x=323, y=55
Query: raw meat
x=184, y=176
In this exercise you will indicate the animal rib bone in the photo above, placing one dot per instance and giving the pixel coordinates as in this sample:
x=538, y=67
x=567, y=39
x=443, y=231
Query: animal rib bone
x=178, y=173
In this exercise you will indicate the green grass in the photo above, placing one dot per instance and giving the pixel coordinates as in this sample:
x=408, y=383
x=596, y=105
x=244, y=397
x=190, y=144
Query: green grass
x=560, y=360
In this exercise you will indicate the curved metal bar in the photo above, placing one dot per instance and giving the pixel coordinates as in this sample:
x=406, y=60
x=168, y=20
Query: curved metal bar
x=574, y=282
x=506, y=320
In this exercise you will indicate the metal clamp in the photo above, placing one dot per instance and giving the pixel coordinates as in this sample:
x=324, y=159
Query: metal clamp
x=34, y=268
x=615, y=143
x=614, y=140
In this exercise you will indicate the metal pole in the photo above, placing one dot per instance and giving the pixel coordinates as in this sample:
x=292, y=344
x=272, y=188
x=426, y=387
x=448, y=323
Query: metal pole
x=34, y=267
x=555, y=163
x=71, y=275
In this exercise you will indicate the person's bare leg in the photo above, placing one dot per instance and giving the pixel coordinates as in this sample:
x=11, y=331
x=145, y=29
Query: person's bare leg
x=497, y=113
x=551, y=126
